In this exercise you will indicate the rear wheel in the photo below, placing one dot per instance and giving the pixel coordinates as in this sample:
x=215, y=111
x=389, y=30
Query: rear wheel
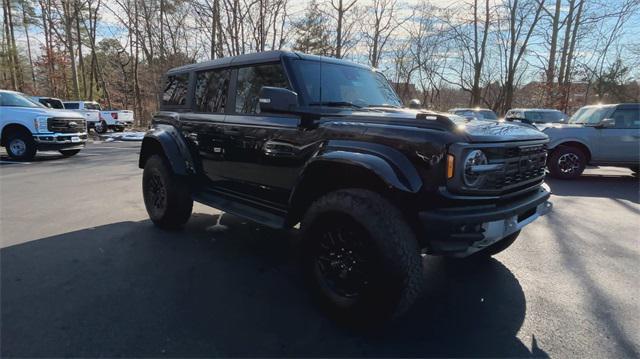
x=167, y=197
x=101, y=127
x=361, y=256
x=69, y=153
x=21, y=146
x=567, y=162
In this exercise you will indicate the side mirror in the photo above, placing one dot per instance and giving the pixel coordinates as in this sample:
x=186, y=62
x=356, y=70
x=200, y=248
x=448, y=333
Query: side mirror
x=415, y=104
x=606, y=123
x=277, y=99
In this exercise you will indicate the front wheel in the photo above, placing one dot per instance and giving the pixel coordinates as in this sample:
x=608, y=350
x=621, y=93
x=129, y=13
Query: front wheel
x=69, y=153
x=167, y=197
x=21, y=146
x=361, y=256
x=566, y=162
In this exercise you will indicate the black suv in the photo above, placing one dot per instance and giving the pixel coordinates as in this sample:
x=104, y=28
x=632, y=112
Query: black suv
x=283, y=138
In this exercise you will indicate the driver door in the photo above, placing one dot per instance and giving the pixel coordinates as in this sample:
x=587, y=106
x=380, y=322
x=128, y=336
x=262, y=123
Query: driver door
x=620, y=143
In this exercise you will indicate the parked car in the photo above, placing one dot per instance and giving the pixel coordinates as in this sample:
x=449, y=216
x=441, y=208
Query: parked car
x=602, y=135
x=50, y=102
x=482, y=114
x=99, y=119
x=265, y=137
x=538, y=117
x=26, y=126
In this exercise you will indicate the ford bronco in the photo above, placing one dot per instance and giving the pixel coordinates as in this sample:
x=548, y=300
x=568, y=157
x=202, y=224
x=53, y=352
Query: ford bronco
x=287, y=139
x=598, y=135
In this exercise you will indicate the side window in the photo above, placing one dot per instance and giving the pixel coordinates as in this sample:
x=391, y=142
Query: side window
x=175, y=90
x=211, y=91
x=251, y=80
x=627, y=118
x=71, y=106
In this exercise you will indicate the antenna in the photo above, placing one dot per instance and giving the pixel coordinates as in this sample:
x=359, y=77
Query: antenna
x=320, y=99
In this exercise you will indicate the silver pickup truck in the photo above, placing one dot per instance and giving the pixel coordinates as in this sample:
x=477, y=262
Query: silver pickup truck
x=602, y=135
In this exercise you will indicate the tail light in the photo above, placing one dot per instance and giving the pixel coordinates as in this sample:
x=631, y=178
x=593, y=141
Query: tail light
x=114, y=115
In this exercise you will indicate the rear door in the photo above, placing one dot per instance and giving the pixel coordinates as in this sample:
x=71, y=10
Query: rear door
x=201, y=124
x=621, y=143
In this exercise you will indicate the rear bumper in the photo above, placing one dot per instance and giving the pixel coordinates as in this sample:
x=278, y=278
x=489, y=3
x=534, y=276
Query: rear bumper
x=462, y=231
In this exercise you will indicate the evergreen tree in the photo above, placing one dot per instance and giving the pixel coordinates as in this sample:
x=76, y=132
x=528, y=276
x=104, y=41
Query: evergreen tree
x=311, y=32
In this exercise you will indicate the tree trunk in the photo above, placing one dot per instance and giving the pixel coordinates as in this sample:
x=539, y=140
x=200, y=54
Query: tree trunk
x=72, y=54
x=550, y=73
x=26, y=32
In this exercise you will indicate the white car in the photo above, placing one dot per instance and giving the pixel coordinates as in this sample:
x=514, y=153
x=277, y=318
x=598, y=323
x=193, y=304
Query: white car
x=26, y=126
x=99, y=119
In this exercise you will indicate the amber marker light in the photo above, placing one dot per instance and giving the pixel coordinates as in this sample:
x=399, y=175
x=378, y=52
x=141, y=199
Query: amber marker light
x=450, y=162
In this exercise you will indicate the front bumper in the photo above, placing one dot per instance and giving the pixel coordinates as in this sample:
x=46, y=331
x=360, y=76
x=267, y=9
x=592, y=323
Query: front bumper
x=60, y=141
x=462, y=231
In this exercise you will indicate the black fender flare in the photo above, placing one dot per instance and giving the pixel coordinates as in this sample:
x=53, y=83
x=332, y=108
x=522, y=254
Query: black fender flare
x=387, y=164
x=166, y=139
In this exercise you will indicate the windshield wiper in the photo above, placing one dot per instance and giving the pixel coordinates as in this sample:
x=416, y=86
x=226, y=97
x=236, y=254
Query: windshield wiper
x=335, y=104
x=384, y=106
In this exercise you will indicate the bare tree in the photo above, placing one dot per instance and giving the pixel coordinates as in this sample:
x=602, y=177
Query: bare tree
x=381, y=22
x=341, y=8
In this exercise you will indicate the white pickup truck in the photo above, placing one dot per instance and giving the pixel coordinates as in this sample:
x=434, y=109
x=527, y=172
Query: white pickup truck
x=101, y=120
x=26, y=126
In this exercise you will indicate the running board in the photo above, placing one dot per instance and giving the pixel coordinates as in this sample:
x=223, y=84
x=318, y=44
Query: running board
x=234, y=207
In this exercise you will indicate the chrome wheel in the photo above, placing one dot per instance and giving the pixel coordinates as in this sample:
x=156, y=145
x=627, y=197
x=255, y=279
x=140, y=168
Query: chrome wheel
x=18, y=147
x=569, y=163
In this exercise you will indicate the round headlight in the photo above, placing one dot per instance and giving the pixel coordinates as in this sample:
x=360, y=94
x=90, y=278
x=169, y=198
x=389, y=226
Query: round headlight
x=474, y=158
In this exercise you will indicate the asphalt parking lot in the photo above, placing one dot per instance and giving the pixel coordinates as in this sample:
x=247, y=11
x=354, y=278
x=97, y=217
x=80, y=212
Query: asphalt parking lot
x=85, y=274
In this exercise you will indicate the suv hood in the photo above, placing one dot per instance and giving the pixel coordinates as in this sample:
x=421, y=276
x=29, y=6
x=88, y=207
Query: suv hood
x=475, y=131
x=46, y=112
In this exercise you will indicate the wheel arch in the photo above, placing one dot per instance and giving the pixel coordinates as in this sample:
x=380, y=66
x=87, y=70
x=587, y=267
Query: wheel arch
x=574, y=144
x=165, y=140
x=11, y=128
x=338, y=168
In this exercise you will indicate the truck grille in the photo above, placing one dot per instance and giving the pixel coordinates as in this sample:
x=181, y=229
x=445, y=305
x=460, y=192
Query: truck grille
x=61, y=125
x=522, y=165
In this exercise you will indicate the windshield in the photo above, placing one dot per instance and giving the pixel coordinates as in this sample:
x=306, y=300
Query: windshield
x=486, y=115
x=91, y=106
x=14, y=99
x=590, y=115
x=544, y=116
x=343, y=85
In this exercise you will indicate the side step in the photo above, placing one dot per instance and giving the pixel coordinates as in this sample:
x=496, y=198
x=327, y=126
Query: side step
x=240, y=209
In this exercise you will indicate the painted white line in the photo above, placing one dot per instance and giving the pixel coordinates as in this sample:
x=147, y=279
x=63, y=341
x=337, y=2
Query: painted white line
x=16, y=163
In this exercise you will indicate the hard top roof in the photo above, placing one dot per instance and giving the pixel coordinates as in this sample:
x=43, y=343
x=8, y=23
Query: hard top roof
x=256, y=58
x=535, y=109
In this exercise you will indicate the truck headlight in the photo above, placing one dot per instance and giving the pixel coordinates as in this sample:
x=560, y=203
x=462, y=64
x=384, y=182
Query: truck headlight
x=40, y=123
x=473, y=178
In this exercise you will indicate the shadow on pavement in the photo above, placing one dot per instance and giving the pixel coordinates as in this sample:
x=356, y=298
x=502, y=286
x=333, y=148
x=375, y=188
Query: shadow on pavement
x=233, y=289
x=619, y=187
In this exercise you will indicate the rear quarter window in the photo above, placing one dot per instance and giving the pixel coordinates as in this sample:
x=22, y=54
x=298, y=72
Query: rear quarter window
x=175, y=90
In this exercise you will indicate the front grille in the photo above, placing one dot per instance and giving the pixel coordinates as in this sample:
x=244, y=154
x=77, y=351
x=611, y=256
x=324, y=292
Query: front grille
x=521, y=165
x=61, y=125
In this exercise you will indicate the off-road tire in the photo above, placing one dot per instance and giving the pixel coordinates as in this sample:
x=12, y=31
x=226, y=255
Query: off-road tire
x=170, y=205
x=396, y=278
x=118, y=129
x=69, y=153
x=25, y=141
x=566, y=153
